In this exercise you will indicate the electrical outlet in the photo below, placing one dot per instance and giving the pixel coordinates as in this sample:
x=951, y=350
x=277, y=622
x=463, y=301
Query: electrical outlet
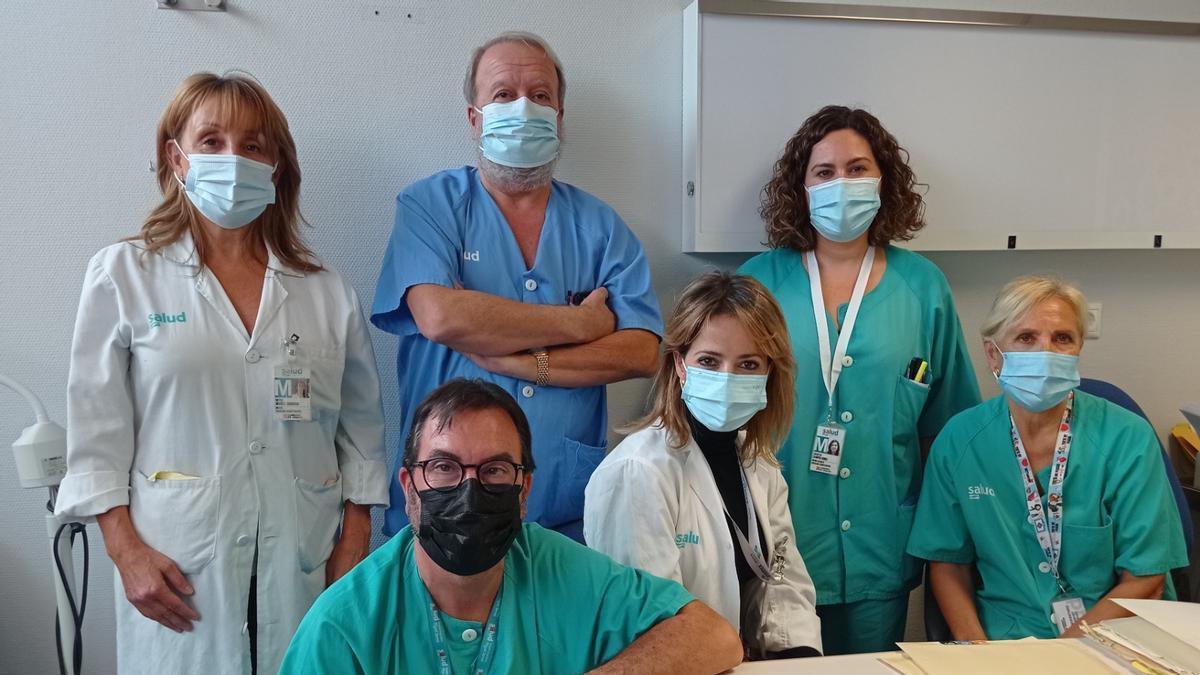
x=1093, y=322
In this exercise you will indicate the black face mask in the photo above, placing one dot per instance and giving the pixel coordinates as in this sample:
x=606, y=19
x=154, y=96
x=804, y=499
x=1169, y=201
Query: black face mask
x=468, y=530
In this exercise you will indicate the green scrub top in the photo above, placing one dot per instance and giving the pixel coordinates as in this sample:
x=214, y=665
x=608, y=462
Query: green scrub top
x=564, y=608
x=852, y=528
x=1118, y=515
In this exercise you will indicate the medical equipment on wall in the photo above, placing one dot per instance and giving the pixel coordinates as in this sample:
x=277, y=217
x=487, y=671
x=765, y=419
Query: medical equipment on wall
x=41, y=457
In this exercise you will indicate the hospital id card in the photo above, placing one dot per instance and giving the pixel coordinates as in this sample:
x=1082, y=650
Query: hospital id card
x=828, y=447
x=292, y=401
x=1066, y=611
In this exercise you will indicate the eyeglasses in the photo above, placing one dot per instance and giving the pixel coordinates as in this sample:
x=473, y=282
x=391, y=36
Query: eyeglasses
x=444, y=474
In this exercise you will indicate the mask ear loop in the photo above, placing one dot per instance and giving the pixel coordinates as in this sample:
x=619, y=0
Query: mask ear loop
x=177, y=178
x=996, y=373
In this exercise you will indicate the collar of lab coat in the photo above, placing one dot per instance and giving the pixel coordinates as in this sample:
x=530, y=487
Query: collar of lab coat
x=702, y=483
x=183, y=252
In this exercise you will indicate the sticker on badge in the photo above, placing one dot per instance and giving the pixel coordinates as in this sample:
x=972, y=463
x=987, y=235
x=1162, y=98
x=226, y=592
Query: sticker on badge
x=292, y=394
x=828, y=447
x=1066, y=611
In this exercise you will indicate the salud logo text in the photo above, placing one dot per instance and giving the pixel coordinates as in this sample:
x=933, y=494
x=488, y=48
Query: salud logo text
x=689, y=538
x=977, y=491
x=157, y=320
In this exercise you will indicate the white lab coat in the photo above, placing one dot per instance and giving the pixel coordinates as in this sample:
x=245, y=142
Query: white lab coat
x=658, y=508
x=194, y=395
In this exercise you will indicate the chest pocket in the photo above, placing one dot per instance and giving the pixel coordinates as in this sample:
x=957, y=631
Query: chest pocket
x=1088, y=558
x=909, y=401
x=907, y=405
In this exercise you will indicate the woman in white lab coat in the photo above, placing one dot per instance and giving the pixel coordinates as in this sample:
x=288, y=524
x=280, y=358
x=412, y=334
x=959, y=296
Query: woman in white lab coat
x=223, y=403
x=695, y=494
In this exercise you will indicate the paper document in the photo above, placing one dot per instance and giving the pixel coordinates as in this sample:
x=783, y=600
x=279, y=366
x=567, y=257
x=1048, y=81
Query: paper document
x=1181, y=619
x=901, y=663
x=1007, y=658
x=1136, y=639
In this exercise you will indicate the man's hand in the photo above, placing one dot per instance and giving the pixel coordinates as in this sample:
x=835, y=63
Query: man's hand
x=474, y=322
x=598, y=319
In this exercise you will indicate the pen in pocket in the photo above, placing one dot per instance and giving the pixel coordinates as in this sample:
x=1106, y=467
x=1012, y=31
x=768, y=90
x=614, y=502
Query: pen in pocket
x=917, y=370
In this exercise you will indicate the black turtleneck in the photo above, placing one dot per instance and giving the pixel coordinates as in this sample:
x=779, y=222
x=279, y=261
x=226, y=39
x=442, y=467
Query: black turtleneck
x=720, y=450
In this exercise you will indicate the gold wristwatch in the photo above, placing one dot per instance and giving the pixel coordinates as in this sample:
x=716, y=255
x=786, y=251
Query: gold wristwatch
x=543, y=366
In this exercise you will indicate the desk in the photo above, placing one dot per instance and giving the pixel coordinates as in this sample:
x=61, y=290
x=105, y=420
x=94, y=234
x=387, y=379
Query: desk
x=855, y=664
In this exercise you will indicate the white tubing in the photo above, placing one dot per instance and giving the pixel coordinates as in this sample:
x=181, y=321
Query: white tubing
x=34, y=401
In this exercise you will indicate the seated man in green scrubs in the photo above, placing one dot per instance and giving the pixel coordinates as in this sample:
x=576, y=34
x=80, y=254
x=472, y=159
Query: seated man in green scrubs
x=468, y=588
x=1057, y=498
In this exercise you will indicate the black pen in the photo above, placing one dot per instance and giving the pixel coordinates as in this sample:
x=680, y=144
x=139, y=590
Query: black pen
x=913, y=365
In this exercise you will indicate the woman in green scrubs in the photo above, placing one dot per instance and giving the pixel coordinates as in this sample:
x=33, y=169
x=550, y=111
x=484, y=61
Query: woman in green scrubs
x=881, y=365
x=1057, y=498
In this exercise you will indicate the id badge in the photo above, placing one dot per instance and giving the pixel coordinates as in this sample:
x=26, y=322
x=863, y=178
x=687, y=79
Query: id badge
x=292, y=394
x=828, y=447
x=1066, y=611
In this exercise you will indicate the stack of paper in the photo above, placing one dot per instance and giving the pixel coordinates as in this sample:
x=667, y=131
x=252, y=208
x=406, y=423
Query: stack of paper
x=1162, y=638
x=1000, y=658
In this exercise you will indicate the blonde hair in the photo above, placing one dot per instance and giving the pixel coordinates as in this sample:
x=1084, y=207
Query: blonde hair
x=1023, y=294
x=237, y=96
x=745, y=299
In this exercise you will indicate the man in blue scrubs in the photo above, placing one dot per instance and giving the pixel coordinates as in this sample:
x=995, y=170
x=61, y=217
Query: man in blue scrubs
x=502, y=273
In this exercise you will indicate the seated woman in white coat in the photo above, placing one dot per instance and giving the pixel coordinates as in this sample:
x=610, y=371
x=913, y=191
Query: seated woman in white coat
x=695, y=493
x=223, y=404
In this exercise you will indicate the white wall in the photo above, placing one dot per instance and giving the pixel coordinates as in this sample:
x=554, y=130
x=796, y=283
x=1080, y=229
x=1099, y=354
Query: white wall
x=374, y=104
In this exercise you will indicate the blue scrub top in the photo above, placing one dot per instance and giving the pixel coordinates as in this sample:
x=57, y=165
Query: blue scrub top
x=449, y=231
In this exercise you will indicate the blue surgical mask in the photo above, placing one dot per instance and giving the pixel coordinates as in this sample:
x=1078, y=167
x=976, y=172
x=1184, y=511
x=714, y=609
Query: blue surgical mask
x=519, y=133
x=843, y=208
x=230, y=190
x=723, y=401
x=1038, y=381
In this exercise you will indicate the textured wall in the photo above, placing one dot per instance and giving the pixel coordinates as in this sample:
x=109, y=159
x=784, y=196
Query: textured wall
x=373, y=102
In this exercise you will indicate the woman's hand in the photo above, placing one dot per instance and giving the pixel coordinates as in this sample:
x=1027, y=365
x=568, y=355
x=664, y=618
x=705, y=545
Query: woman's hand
x=353, y=545
x=1128, y=586
x=153, y=583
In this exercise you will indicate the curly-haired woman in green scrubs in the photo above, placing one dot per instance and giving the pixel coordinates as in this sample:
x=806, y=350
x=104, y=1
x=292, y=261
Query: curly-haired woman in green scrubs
x=881, y=365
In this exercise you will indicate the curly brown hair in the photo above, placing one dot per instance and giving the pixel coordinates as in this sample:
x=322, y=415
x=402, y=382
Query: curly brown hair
x=784, y=201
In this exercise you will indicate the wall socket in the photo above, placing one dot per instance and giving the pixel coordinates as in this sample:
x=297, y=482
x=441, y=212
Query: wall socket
x=1093, y=322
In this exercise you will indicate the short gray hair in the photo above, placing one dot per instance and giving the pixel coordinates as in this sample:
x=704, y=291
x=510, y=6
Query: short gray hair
x=520, y=37
x=1022, y=294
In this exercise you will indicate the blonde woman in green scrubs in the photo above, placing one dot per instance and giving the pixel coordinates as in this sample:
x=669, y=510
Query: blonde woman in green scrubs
x=1058, y=498
x=881, y=365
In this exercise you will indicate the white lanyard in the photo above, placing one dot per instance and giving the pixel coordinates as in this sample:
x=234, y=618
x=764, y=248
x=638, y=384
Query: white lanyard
x=831, y=367
x=753, y=554
x=1047, y=526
